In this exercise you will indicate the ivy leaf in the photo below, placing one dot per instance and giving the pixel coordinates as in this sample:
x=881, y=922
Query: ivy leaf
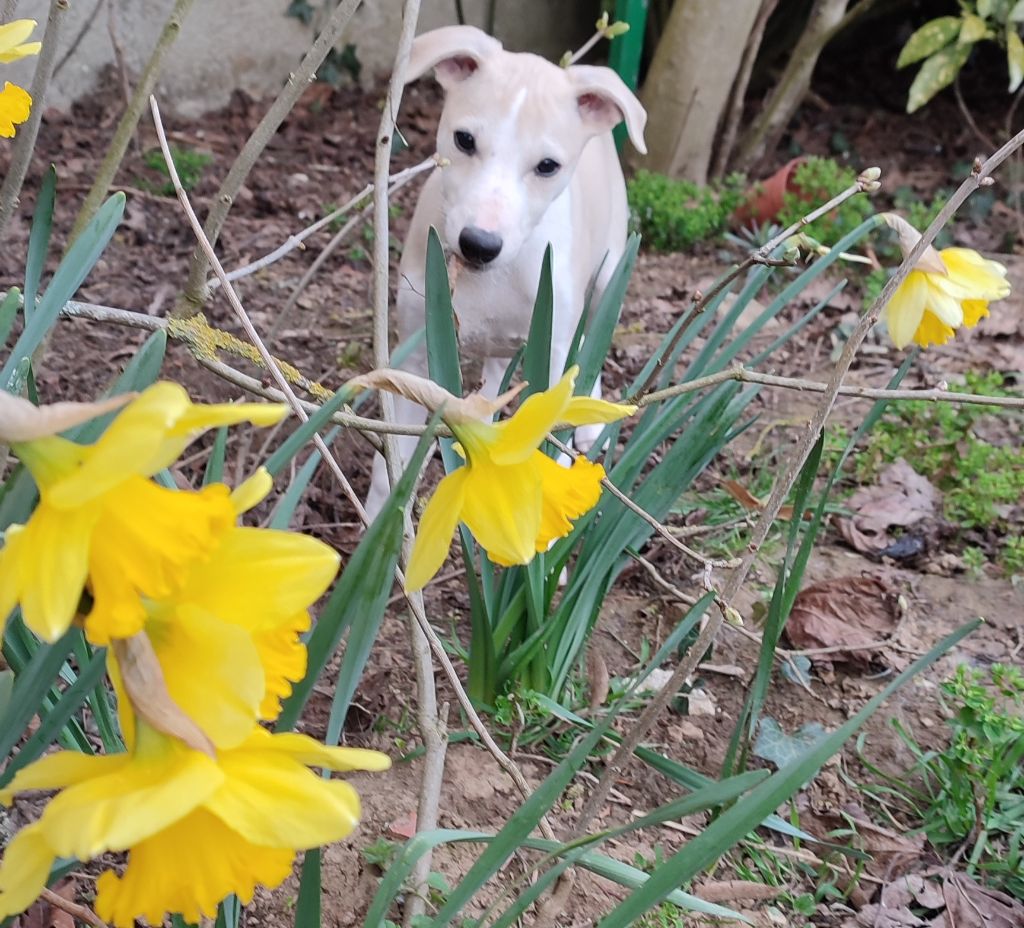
x=1014, y=57
x=938, y=71
x=776, y=747
x=300, y=10
x=973, y=29
x=929, y=39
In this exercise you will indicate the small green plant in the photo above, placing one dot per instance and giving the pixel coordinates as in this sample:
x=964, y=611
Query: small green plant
x=817, y=180
x=944, y=44
x=188, y=162
x=972, y=791
x=673, y=215
x=979, y=480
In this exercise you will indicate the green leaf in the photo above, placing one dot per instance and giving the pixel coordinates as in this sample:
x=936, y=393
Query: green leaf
x=305, y=432
x=929, y=39
x=307, y=909
x=1017, y=13
x=984, y=8
x=973, y=29
x=738, y=821
x=285, y=507
x=778, y=748
x=537, y=357
x=938, y=72
x=1014, y=57
x=32, y=685
x=72, y=271
x=228, y=913
x=442, y=341
x=6, y=688
x=9, y=312
x=39, y=239
x=357, y=602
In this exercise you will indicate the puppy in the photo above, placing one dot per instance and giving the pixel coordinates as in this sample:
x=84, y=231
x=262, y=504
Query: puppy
x=531, y=161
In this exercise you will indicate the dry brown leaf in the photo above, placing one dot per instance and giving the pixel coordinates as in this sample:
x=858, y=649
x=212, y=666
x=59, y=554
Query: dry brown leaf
x=900, y=499
x=970, y=905
x=143, y=681
x=598, y=678
x=21, y=420
x=752, y=503
x=471, y=408
x=734, y=890
x=847, y=612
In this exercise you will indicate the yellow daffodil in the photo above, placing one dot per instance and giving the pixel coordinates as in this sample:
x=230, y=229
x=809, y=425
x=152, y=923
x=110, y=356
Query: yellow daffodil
x=514, y=499
x=15, y=103
x=947, y=289
x=228, y=639
x=12, y=40
x=100, y=519
x=196, y=828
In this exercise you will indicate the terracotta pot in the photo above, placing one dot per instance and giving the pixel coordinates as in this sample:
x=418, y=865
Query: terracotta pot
x=764, y=200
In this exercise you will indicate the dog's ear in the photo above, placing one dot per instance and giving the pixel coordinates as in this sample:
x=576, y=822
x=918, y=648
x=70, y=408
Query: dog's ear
x=455, y=52
x=604, y=101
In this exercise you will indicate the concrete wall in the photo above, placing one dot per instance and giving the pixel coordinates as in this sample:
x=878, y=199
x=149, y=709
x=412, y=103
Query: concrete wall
x=251, y=45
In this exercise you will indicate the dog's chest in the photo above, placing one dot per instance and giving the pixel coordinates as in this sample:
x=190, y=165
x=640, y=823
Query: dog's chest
x=492, y=312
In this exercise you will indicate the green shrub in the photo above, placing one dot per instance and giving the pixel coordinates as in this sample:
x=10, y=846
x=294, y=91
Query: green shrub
x=188, y=162
x=818, y=180
x=673, y=215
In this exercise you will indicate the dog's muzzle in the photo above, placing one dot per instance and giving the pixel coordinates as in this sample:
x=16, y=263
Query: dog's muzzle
x=478, y=246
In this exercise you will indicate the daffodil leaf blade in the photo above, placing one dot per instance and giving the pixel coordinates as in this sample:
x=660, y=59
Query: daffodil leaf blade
x=291, y=446
x=442, y=341
x=76, y=265
x=929, y=39
x=308, y=912
x=938, y=72
x=742, y=817
x=537, y=354
x=39, y=238
x=9, y=312
x=285, y=507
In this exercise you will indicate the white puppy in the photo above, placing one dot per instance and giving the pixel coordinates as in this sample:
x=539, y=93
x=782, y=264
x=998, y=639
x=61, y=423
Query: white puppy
x=531, y=162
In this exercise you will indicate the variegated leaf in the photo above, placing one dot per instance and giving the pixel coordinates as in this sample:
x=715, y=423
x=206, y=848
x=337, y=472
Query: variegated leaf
x=929, y=39
x=1017, y=13
x=938, y=72
x=1014, y=57
x=973, y=29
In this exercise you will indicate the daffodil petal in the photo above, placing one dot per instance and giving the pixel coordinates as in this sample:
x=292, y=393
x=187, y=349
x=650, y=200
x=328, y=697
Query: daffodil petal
x=61, y=770
x=437, y=525
x=520, y=435
x=252, y=491
x=312, y=753
x=13, y=34
x=24, y=870
x=945, y=307
x=116, y=810
x=50, y=557
x=584, y=410
x=212, y=670
x=980, y=277
x=274, y=801
x=904, y=311
x=15, y=107
x=502, y=507
x=568, y=493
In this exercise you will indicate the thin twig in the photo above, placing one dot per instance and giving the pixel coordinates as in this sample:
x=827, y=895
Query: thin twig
x=705, y=563
x=82, y=912
x=980, y=176
x=21, y=156
x=295, y=241
x=866, y=182
x=130, y=119
x=196, y=293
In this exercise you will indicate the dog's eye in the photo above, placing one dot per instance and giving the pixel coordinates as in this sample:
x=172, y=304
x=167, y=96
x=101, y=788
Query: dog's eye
x=465, y=142
x=548, y=167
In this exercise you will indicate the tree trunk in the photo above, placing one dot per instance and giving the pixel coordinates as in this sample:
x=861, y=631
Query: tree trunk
x=687, y=87
x=826, y=19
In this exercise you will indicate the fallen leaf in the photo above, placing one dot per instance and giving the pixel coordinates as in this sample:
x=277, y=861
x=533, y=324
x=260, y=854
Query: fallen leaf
x=752, y=503
x=404, y=826
x=598, y=678
x=901, y=498
x=970, y=905
x=878, y=916
x=847, y=613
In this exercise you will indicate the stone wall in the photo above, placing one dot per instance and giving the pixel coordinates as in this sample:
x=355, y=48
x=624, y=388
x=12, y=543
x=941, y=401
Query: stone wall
x=252, y=45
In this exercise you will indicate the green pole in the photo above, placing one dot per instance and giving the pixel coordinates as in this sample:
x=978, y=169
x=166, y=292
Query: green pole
x=627, y=49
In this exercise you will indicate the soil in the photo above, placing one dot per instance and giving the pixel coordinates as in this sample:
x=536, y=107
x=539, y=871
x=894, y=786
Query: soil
x=323, y=155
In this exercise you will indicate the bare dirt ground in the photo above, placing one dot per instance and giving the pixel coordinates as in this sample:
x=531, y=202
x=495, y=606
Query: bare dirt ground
x=322, y=156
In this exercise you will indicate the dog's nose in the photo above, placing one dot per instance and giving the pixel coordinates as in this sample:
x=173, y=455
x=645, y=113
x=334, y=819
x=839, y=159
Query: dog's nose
x=479, y=246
